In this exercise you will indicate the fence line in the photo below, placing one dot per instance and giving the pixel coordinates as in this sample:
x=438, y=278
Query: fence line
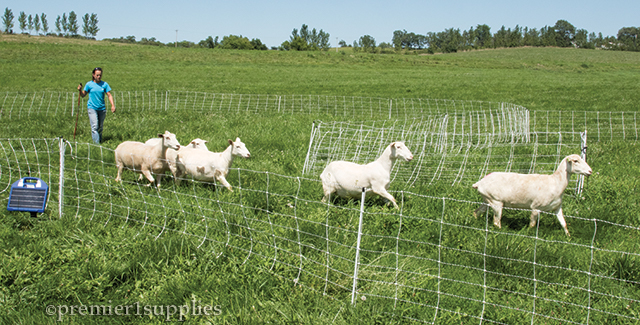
x=426, y=262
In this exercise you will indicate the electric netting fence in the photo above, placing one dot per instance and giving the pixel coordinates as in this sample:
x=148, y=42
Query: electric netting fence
x=448, y=149
x=603, y=126
x=412, y=259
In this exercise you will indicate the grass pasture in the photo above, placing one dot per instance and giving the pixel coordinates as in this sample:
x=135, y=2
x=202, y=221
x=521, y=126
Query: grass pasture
x=270, y=252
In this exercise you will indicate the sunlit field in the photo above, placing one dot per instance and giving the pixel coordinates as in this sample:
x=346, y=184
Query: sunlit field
x=270, y=251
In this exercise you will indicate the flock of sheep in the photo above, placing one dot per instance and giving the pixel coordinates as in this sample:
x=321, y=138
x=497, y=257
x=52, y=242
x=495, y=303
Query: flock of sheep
x=347, y=179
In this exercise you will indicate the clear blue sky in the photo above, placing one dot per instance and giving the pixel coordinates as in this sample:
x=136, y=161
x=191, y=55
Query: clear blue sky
x=272, y=22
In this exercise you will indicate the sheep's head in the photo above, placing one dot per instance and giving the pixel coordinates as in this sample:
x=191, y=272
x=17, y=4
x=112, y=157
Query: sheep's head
x=198, y=144
x=577, y=165
x=239, y=149
x=399, y=149
x=169, y=140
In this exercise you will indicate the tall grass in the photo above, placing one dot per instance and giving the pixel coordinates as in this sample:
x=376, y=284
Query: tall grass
x=50, y=261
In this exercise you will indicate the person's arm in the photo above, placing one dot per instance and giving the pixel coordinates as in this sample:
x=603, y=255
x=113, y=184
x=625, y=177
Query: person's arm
x=113, y=106
x=82, y=92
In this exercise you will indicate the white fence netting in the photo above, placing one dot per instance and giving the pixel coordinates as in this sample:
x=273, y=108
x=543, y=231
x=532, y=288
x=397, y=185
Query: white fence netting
x=428, y=262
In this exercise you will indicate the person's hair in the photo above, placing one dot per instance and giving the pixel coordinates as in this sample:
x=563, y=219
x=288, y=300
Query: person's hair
x=94, y=71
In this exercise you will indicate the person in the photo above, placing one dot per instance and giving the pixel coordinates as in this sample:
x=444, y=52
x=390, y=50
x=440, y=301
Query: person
x=96, y=88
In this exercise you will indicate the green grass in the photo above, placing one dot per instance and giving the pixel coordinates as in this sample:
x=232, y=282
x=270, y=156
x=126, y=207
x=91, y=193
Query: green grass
x=50, y=261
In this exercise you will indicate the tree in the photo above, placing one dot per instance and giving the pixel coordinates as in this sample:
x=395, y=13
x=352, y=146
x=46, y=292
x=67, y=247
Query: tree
x=85, y=25
x=342, y=43
x=582, y=41
x=7, y=21
x=236, y=42
x=58, y=24
x=73, y=23
x=209, y=42
x=483, y=36
x=628, y=36
x=45, y=24
x=36, y=23
x=257, y=45
x=564, y=33
x=65, y=24
x=304, y=40
x=22, y=20
x=367, y=43
x=30, y=23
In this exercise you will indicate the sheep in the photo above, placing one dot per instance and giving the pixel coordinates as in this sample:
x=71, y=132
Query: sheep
x=529, y=191
x=348, y=178
x=171, y=155
x=210, y=166
x=143, y=158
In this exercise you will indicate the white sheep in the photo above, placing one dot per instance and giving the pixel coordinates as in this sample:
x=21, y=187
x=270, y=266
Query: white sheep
x=347, y=178
x=529, y=191
x=143, y=158
x=170, y=164
x=210, y=166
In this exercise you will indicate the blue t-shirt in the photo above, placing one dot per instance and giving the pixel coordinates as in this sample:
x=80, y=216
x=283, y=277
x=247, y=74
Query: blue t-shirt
x=96, y=94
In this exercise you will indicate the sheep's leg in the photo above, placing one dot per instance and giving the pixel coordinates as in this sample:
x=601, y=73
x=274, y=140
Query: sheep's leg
x=480, y=210
x=148, y=175
x=534, y=217
x=497, y=210
x=224, y=182
x=382, y=192
x=118, y=178
x=563, y=223
x=158, y=179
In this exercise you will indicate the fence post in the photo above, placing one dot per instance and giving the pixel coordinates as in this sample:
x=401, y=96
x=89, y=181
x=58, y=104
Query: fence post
x=306, y=160
x=357, y=262
x=583, y=154
x=61, y=180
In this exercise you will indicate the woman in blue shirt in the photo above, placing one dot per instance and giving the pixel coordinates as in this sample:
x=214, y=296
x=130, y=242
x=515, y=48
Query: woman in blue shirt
x=96, y=88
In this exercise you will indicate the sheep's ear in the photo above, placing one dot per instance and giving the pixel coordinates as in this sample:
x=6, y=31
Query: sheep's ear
x=193, y=142
x=393, y=144
x=230, y=142
x=237, y=139
x=160, y=135
x=205, y=141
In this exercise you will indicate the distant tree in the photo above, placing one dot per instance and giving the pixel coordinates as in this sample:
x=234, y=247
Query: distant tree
x=36, y=24
x=531, y=37
x=73, y=23
x=236, y=42
x=515, y=37
x=209, y=42
x=305, y=40
x=501, y=37
x=7, y=21
x=564, y=33
x=342, y=43
x=548, y=36
x=628, y=36
x=367, y=43
x=85, y=25
x=45, y=24
x=483, y=36
x=30, y=23
x=150, y=41
x=257, y=45
x=65, y=23
x=58, y=24
x=384, y=45
x=582, y=39
x=93, y=25
x=22, y=21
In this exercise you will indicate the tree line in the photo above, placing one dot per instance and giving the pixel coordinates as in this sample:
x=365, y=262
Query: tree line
x=562, y=34
x=67, y=25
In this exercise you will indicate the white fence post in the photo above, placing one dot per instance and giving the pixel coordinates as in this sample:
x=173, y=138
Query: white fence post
x=61, y=181
x=583, y=154
x=357, y=262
